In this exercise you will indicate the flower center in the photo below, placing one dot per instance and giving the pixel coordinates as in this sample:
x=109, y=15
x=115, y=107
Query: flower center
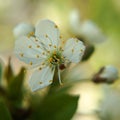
x=55, y=58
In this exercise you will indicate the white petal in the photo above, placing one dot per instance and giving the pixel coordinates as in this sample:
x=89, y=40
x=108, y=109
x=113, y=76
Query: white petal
x=41, y=79
x=48, y=32
x=92, y=33
x=28, y=50
x=74, y=50
x=23, y=29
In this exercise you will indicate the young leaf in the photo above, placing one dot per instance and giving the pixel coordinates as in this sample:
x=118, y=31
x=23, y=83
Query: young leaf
x=9, y=74
x=4, y=113
x=58, y=106
x=15, y=88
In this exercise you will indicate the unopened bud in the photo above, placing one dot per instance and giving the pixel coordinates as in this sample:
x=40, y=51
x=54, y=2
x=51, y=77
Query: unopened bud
x=107, y=74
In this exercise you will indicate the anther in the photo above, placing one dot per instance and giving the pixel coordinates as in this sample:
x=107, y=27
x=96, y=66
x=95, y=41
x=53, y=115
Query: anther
x=21, y=54
x=37, y=56
x=40, y=82
x=31, y=63
x=56, y=26
x=29, y=46
x=38, y=46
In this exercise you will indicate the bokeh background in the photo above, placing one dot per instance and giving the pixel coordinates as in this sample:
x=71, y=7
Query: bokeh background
x=105, y=13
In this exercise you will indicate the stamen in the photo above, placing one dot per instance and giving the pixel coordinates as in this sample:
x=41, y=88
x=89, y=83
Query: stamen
x=36, y=40
x=38, y=46
x=30, y=34
x=30, y=46
x=55, y=46
x=37, y=56
x=50, y=60
x=72, y=50
x=21, y=54
x=40, y=82
x=59, y=76
x=50, y=45
x=50, y=81
x=46, y=36
x=56, y=26
x=60, y=37
x=31, y=63
x=40, y=68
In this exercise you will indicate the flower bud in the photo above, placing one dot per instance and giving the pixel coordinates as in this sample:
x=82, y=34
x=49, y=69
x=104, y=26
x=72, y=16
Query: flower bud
x=107, y=74
x=23, y=29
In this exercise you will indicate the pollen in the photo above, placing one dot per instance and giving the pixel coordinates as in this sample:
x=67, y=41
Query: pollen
x=81, y=50
x=40, y=82
x=30, y=46
x=46, y=36
x=51, y=59
x=56, y=26
x=61, y=48
x=60, y=37
x=40, y=68
x=50, y=81
x=43, y=53
x=63, y=42
x=38, y=46
x=36, y=40
x=54, y=52
x=55, y=46
x=50, y=45
x=48, y=51
x=30, y=34
x=21, y=54
x=31, y=63
x=37, y=56
x=43, y=63
x=72, y=50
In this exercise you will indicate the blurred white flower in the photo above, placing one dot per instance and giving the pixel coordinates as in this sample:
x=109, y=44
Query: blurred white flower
x=91, y=32
x=110, y=105
x=107, y=74
x=44, y=52
x=110, y=73
x=23, y=29
x=86, y=29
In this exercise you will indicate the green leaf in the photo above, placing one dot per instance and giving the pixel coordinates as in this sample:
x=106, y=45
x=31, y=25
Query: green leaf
x=4, y=113
x=0, y=72
x=15, y=88
x=9, y=74
x=57, y=106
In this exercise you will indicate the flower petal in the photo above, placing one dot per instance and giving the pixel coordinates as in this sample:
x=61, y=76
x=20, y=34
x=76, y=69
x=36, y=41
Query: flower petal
x=29, y=51
x=74, y=50
x=48, y=32
x=41, y=78
x=23, y=29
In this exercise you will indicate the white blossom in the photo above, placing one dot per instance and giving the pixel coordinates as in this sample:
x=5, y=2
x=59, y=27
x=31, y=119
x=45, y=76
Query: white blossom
x=23, y=29
x=110, y=105
x=91, y=32
x=44, y=52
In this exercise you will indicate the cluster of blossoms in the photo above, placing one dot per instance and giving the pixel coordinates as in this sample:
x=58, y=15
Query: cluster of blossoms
x=42, y=49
